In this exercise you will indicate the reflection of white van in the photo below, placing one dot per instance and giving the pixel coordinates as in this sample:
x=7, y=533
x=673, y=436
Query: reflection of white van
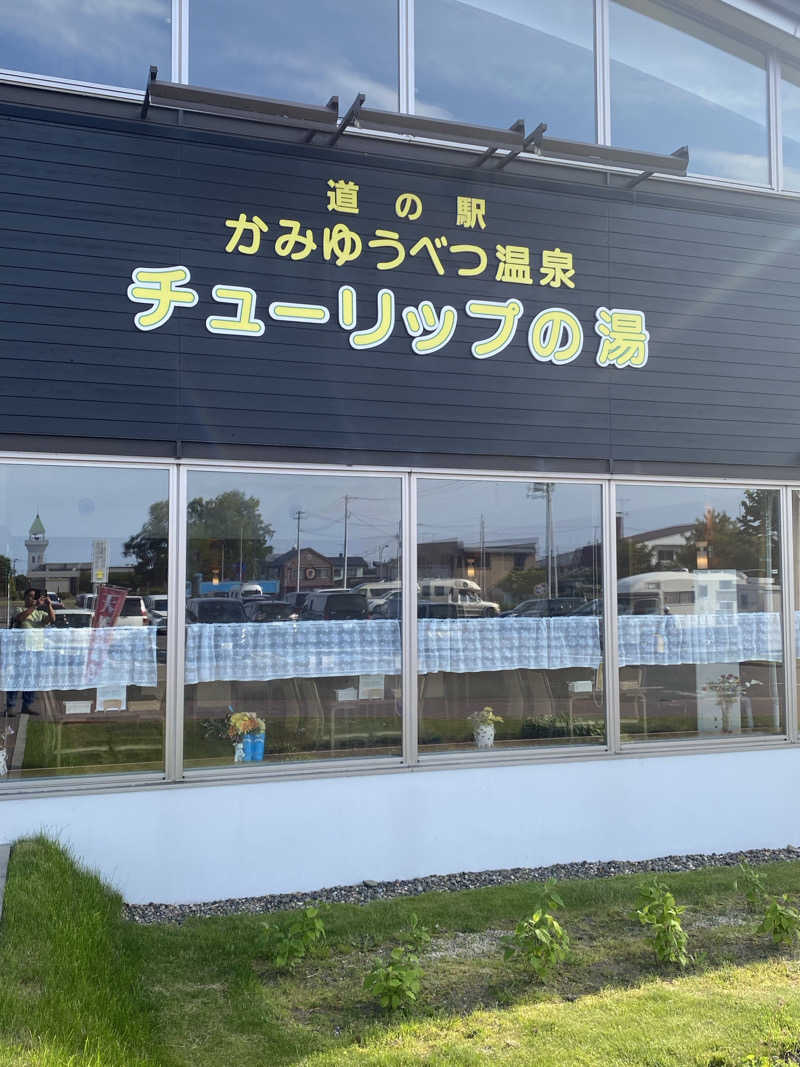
x=446, y=588
x=687, y=593
x=461, y=591
x=376, y=590
x=246, y=590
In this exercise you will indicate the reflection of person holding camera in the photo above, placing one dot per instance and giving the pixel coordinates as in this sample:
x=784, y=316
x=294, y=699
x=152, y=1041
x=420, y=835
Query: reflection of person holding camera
x=36, y=614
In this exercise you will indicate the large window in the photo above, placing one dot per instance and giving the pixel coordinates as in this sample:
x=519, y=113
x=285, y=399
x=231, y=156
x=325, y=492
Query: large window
x=509, y=576
x=700, y=646
x=82, y=40
x=302, y=50
x=83, y=566
x=293, y=648
x=675, y=82
x=495, y=61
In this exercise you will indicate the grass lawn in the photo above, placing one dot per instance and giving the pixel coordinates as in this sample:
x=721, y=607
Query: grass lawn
x=81, y=987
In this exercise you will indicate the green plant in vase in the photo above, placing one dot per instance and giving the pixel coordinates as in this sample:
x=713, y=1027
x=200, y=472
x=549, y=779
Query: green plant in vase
x=483, y=722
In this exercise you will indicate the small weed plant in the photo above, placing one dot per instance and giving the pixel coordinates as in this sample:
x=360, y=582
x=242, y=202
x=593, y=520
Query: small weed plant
x=662, y=916
x=540, y=942
x=289, y=943
x=781, y=921
x=750, y=882
x=395, y=982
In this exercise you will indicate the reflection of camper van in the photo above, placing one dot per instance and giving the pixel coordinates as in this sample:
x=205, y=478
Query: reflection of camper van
x=683, y=592
x=461, y=591
x=438, y=588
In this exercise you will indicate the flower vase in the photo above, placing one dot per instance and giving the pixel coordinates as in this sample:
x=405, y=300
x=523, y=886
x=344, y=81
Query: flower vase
x=259, y=741
x=484, y=735
x=248, y=747
x=238, y=752
x=3, y=763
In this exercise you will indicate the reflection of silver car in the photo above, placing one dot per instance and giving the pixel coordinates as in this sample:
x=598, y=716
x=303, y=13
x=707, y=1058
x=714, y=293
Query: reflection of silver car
x=73, y=618
x=157, y=609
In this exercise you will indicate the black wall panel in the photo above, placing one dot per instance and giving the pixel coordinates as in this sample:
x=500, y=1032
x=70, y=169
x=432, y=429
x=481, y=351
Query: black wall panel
x=84, y=203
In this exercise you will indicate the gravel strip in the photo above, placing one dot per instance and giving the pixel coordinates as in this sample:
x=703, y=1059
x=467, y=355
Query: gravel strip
x=367, y=891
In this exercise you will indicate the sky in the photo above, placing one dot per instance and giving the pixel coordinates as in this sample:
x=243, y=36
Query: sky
x=78, y=505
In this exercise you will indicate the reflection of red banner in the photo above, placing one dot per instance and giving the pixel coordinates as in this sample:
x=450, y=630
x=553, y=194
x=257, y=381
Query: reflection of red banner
x=109, y=604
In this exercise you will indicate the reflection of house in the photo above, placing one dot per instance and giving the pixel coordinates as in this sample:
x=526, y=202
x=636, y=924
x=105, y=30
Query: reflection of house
x=357, y=567
x=316, y=570
x=663, y=544
x=487, y=564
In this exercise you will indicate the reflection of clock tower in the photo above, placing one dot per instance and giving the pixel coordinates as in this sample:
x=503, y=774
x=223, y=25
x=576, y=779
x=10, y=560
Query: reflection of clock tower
x=36, y=545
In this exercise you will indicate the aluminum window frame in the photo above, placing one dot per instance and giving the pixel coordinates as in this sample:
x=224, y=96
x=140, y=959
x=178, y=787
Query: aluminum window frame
x=523, y=753
x=114, y=781
x=307, y=767
x=175, y=775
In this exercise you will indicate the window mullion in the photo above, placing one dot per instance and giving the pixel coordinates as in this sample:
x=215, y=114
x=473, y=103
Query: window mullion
x=609, y=621
x=775, y=121
x=602, y=72
x=405, y=45
x=409, y=622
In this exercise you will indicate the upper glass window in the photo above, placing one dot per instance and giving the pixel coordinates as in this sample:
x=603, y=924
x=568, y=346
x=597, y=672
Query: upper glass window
x=675, y=82
x=303, y=50
x=500, y=60
x=81, y=40
x=790, y=104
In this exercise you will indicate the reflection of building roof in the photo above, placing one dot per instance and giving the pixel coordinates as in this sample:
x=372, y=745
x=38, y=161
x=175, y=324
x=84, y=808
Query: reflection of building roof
x=352, y=561
x=665, y=531
x=37, y=526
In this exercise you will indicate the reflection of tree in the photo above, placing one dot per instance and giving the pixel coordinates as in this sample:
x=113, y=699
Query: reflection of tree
x=633, y=557
x=149, y=547
x=220, y=531
x=749, y=542
x=521, y=584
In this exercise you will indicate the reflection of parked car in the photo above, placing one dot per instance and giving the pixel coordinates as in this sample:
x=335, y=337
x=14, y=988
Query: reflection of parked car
x=133, y=613
x=214, y=609
x=297, y=599
x=426, y=609
x=269, y=610
x=157, y=609
x=335, y=604
x=549, y=608
x=86, y=600
x=55, y=599
x=73, y=618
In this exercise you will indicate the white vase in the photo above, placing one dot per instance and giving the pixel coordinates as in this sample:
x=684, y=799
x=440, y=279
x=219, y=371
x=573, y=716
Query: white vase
x=484, y=735
x=238, y=752
x=3, y=763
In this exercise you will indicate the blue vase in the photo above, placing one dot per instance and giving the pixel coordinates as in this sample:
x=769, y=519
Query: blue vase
x=258, y=746
x=248, y=748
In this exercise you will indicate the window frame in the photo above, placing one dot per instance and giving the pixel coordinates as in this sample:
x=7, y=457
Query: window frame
x=174, y=775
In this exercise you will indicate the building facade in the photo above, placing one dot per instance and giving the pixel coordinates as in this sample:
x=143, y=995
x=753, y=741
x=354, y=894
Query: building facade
x=524, y=325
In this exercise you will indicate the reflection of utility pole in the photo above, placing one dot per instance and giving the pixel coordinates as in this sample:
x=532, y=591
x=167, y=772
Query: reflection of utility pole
x=298, y=515
x=241, y=560
x=545, y=489
x=399, y=540
x=346, y=516
x=483, y=555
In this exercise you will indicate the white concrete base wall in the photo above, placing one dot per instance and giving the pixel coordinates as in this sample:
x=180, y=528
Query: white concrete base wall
x=182, y=844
